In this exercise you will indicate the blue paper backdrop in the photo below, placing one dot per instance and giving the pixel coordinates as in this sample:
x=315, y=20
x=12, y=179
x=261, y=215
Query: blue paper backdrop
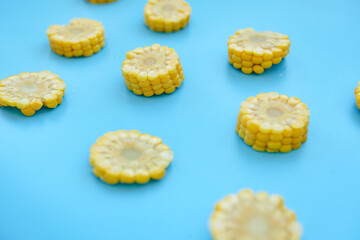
x=47, y=190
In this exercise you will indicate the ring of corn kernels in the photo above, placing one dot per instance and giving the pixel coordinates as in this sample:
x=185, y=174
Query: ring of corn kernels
x=253, y=51
x=128, y=157
x=254, y=216
x=167, y=15
x=101, y=1
x=83, y=37
x=357, y=96
x=272, y=122
x=152, y=70
x=31, y=91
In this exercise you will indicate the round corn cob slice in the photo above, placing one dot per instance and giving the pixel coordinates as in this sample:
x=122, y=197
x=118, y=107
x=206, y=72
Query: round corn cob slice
x=101, y=1
x=152, y=70
x=253, y=51
x=31, y=91
x=83, y=37
x=357, y=96
x=254, y=217
x=128, y=157
x=272, y=122
x=167, y=15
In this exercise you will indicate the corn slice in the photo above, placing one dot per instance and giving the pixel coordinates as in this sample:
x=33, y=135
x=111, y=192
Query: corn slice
x=167, y=15
x=254, y=217
x=83, y=37
x=152, y=70
x=253, y=51
x=357, y=95
x=128, y=157
x=272, y=122
x=101, y=1
x=31, y=91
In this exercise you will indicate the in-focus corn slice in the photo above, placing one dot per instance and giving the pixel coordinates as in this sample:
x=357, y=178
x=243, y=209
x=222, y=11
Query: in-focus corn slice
x=253, y=51
x=253, y=217
x=83, y=37
x=167, y=15
x=272, y=122
x=357, y=96
x=101, y=1
x=152, y=70
x=31, y=91
x=128, y=157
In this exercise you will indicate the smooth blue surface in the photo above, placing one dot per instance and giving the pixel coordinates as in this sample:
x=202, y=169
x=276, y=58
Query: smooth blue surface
x=47, y=190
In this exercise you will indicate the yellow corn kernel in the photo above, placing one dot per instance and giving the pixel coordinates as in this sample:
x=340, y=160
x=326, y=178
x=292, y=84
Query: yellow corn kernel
x=251, y=216
x=167, y=15
x=258, y=69
x=101, y=1
x=128, y=157
x=154, y=69
x=357, y=95
x=261, y=49
x=82, y=37
x=31, y=91
x=272, y=122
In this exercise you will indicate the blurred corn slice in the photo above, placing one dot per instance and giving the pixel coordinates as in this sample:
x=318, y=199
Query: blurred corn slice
x=272, y=122
x=31, y=91
x=83, y=37
x=101, y=1
x=249, y=216
x=128, y=157
x=357, y=96
x=152, y=70
x=167, y=15
x=253, y=51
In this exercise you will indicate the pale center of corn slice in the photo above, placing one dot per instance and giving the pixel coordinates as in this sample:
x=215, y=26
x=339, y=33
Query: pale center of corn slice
x=253, y=39
x=257, y=37
x=29, y=87
x=149, y=61
x=168, y=7
x=274, y=112
x=152, y=60
x=258, y=226
x=260, y=220
x=131, y=153
x=77, y=32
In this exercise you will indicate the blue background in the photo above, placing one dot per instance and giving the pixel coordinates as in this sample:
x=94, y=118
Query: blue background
x=47, y=189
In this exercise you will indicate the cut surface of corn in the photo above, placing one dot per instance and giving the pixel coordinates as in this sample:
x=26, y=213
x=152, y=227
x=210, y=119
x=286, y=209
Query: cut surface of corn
x=272, y=122
x=128, y=157
x=253, y=51
x=101, y=1
x=167, y=15
x=253, y=217
x=31, y=91
x=357, y=96
x=83, y=37
x=152, y=70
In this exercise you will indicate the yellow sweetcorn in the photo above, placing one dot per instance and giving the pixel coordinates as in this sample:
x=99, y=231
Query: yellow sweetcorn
x=167, y=15
x=101, y=1
x=128, y=157
x=272, y=122
x=253, y=51
x=31, y=91
x=357, y=96
x=254, y=217
x=83, y=37
x=152, y=70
